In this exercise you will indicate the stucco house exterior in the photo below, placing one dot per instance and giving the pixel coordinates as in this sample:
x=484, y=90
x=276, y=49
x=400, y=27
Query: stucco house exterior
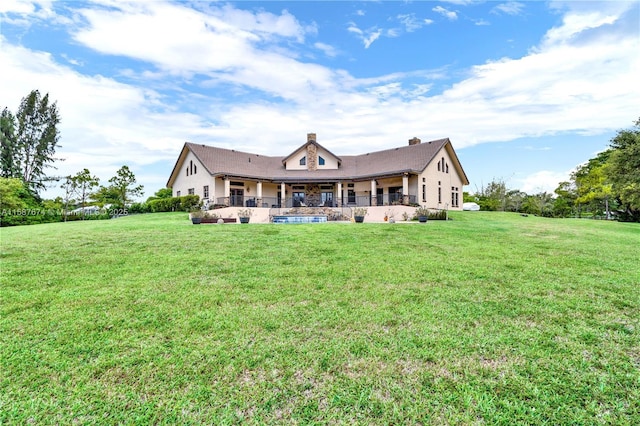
x=420, y=173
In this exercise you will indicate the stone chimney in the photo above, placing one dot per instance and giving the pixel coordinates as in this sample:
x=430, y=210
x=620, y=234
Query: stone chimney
x=311, y=137
x=414, y=141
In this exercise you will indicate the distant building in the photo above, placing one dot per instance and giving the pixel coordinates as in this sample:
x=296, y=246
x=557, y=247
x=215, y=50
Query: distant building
x=424, y=173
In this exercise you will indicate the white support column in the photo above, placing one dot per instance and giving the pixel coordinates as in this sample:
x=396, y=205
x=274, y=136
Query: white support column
x=339, y=195
x=374, y=197
x=212, y=191
x=283, y=194
x=227, y=191
x=405, y=188
x=259, y=194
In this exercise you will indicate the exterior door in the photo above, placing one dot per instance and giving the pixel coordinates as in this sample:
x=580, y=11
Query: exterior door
x=237, y=198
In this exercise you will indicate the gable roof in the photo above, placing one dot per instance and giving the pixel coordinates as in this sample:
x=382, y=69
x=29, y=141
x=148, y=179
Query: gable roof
x=304, y=146
x=394, y=161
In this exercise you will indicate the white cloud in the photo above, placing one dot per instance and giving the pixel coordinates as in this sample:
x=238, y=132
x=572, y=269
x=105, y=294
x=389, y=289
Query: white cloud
x=509, y=8
x=542, y=181
x=534, y=148
x=449, y=14
x=366, y=36
x=412, y=23
x=580, y=78
x=327, y=49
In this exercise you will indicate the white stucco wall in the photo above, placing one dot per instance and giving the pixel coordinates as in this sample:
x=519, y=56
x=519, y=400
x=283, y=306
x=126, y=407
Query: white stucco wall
x=197, y=181
x=440, y=178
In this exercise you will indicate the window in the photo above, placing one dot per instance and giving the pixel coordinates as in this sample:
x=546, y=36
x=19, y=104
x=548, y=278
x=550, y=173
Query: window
x=177, y=193
x=298, y=199
x=438, y=166
x=321, y=161
x=351, y=196
x=439, y=195
x=454, y=196
x=205, y=192
x=424, y=193
x=192, y=191
x=447, y=168
x=235, y=183
x=303, y=161
x=326, y=198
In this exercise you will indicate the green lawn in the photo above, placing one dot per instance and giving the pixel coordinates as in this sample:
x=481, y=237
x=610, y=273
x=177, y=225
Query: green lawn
x=487, y=319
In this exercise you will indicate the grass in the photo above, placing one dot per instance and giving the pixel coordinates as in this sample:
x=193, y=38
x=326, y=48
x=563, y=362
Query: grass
x=487, y=319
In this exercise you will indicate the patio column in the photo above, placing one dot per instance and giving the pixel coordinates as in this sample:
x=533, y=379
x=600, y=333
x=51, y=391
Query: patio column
x=374, y=198
x=283, y=194
x=259, y=194
x=227, y=191
x=405, y=189
x=212, y=192
x=339, y=195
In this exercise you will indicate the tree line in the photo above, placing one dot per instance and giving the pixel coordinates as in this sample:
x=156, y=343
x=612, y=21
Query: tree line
x=607, y=186
x=29, y=139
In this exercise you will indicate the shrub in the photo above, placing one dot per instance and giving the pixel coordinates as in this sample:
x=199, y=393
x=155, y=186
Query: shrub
x=175, y=204
x=139, y=208
x=360, y=211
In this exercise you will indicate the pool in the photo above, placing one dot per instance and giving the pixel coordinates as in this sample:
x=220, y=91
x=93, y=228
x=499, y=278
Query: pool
x=300, y=219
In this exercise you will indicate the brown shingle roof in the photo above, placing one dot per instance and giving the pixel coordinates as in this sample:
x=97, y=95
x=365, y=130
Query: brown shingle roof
x=411, y=158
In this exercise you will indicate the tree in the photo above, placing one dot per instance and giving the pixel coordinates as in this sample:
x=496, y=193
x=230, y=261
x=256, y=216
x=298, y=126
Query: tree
x=14, y=195
x=105, y=195
x=69, y=190
x=122, y=187
x=624, y=170
x=565, y=201
x=592, y=184
x=10, y=168
x=544, y=203
x=81, y=184
x=84, y=183
x=29, y=140
x=493, y=196
x=515, y=198
x=160, y=194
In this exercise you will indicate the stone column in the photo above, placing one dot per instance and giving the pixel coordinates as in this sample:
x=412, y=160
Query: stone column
x=227, y=191
x=312, y=157
x=405, y=189
x=374, y=196
x=259, y=194
x=283, y=194
x=339, y=195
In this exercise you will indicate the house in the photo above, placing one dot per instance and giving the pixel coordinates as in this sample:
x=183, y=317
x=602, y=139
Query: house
x=424, y=173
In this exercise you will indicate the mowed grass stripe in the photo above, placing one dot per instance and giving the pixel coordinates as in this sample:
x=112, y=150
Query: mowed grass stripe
x=487, y=319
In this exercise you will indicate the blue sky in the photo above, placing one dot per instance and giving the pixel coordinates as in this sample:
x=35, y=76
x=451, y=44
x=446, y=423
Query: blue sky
x=526, y=91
